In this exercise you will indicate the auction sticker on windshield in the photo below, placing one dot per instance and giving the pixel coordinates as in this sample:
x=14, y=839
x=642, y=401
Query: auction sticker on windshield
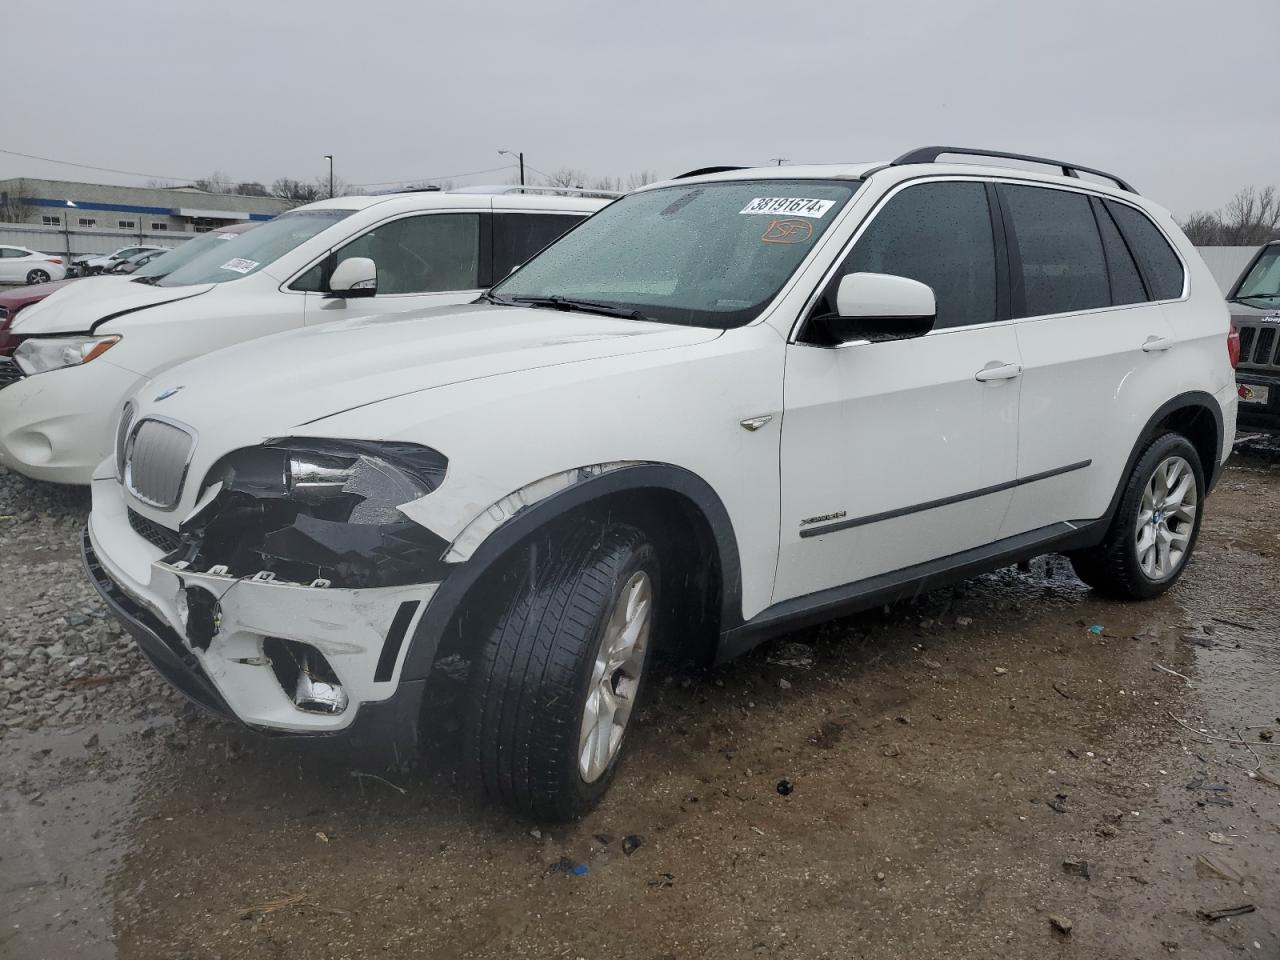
x=789, y=206
x=239, y=265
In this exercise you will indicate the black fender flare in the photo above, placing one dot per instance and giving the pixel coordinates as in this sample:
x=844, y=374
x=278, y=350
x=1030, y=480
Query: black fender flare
x=454, y=589
x=1193, y=398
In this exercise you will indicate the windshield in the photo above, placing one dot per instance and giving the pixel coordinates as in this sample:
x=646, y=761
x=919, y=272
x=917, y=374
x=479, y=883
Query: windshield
x=1263, y=280
x=182, y=254
x=250, y=252
x=706, y=254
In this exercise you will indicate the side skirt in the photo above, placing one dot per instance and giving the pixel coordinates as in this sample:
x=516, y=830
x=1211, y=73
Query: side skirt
x=907, y=583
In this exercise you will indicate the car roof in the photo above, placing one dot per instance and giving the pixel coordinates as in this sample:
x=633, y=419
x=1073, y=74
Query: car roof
x=444, y=200
x=903, y=171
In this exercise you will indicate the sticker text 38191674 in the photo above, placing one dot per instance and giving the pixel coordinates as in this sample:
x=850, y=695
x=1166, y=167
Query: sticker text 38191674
x=789, y=207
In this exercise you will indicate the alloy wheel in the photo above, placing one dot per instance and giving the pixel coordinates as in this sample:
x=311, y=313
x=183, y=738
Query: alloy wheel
x=1166, y=518
x=615, y=677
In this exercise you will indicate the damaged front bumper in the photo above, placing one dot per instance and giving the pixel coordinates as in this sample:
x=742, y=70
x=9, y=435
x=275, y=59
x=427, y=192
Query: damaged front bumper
x=239, y=645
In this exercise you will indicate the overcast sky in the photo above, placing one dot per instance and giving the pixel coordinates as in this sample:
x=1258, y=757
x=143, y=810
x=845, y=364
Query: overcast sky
x=1180, y=97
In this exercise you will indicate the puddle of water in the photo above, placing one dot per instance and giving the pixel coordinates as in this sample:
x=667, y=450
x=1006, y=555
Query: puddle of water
x=65, y=805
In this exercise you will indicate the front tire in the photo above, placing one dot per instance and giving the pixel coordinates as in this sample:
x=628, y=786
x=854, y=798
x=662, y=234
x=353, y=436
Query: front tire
x=37, y=276
x=556, y=682
x=1155, y=528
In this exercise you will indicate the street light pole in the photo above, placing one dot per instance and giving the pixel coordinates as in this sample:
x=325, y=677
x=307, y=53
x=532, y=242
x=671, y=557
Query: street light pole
x=520, y=157
x=329, y=157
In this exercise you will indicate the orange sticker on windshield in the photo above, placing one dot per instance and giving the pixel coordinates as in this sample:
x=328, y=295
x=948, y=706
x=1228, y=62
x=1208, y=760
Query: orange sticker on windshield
x=787, y=231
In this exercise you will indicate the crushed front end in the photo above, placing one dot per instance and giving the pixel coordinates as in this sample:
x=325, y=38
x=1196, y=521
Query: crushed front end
x=287, y=595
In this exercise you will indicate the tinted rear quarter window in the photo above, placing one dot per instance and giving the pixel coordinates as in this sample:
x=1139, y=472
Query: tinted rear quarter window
x=1061, y=252
x=1126, y=282
x=518, y=236
x=1160, y=265
x=938, y=234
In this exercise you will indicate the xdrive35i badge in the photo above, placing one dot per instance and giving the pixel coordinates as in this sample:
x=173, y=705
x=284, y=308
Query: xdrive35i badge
x=166, y=394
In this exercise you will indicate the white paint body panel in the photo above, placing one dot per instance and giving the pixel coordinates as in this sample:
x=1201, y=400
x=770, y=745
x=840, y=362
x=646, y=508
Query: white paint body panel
x=876, y=427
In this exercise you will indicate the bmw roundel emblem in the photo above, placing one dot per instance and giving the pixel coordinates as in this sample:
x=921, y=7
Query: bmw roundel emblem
x=166, y=394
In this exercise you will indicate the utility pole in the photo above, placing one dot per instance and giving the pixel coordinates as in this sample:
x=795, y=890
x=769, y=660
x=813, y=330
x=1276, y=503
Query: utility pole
x=519, y=157
x=778, y=161
x=329, y=157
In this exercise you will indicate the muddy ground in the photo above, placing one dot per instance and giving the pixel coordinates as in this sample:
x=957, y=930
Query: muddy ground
x=952, y=763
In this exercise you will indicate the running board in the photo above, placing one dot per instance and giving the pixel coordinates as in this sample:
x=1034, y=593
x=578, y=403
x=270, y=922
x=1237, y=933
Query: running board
x=907, y=583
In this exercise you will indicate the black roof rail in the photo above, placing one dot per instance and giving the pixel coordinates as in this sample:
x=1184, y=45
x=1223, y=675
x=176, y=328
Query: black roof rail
x=705, y=170
x=931, y=154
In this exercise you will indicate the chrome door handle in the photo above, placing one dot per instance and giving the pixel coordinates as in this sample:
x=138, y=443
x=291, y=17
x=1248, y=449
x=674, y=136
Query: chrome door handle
x=1156, y=344
x=998, y=371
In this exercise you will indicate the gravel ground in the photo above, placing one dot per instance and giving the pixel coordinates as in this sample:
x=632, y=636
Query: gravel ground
x=922, y=781
x=62, y=657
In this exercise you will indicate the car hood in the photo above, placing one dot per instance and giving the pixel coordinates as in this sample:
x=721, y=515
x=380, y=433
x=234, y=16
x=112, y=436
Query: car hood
x=284, y=381
x=82, y=306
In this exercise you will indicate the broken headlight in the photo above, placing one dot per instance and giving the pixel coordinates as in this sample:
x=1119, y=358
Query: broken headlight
x=366, y=481
x=327, y=510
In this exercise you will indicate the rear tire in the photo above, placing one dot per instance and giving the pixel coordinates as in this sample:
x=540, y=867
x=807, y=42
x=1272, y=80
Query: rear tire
x=37, y=276
x=1154, y=531
x=555, y=684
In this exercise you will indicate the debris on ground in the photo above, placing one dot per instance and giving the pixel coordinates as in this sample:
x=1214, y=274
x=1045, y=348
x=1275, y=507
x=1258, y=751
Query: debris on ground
x=568, y=867
x=792, y=654
x=891, y=750
x=631, y=843
x=1096, y=629
x=1211, y=866
x=785, y=787
x=1061, y=689
x=1061, y=924
x=1182, y=676
x=1001, y=671
x=271, y=906
x=1215, y=837
x=663, y=880
x=1077, y=867
x=1212, y=916
x=1059, y=803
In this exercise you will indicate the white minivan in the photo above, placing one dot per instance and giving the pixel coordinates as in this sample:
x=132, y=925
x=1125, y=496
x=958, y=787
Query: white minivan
x=85, y=348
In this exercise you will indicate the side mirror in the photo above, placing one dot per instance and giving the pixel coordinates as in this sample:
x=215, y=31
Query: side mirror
x=880, y=306
x=354, y=277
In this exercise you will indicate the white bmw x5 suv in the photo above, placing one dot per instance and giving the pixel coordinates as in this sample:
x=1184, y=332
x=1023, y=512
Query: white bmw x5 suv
x=727, y=405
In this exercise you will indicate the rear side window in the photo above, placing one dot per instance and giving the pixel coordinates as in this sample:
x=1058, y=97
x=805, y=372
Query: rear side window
x=1126, y=282
x=940, y=235
x=1159, y=264
x=1057, y=241
x=518, y=236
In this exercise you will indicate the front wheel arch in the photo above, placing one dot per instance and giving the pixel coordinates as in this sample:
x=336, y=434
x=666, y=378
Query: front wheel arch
x=645, y=493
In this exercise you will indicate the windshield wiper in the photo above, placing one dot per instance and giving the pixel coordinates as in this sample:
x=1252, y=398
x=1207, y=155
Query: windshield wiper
x=585, y=306
x=1254, y=296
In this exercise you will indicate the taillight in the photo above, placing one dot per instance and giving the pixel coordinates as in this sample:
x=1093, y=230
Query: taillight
x=57, y=260
x=1233, y=347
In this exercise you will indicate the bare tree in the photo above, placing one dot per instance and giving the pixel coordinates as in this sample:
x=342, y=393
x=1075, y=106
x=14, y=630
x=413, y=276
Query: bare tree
x=641, y=178
x=216, y=182
x=1203, y=228
x=567, y=177
x=1251, y=217
x=13, y=203
x=297, y=191
x=250, y=188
